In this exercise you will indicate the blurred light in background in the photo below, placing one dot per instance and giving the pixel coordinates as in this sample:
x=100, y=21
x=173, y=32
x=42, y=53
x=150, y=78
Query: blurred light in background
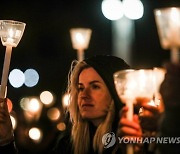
x=133, y=9
x=112, y=9
x=31, y=77
x=115, y=9
x=16, y=78
x=53, y=114
x=35, y=134
x=66, y=100
x=33, y=105
x=32, y=108
x=24, y=103
x=80, y=38
x=46, y=98
x=61, y=126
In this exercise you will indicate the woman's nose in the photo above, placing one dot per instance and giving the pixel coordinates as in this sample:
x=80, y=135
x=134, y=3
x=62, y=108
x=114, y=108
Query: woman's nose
x=85, y=93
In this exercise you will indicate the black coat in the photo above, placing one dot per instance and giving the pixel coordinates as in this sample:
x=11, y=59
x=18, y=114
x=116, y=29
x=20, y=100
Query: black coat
x=64, y=144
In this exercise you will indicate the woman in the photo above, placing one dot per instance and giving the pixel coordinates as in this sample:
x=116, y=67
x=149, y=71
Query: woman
x=94, y=105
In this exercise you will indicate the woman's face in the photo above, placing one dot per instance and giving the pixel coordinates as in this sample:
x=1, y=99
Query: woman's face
x=93, y=97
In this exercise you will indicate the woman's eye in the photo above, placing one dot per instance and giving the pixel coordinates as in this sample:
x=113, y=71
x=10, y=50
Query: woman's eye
x=95, y=87
x=80, y=88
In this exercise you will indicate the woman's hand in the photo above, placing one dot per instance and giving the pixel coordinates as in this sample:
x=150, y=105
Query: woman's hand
x=130, y=130
x=149, y=117
x=149, y=113
x=6, y=131
x=127, y=128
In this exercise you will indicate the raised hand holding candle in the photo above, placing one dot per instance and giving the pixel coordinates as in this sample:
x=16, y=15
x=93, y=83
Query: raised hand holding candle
x=11, y=33
x=134, y=84
x=125, y=85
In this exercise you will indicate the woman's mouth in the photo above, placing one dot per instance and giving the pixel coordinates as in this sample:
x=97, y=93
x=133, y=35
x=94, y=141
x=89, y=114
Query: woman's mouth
x=86, y=105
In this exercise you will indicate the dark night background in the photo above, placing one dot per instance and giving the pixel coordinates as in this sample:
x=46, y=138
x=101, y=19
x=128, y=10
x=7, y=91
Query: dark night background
x=46, y=45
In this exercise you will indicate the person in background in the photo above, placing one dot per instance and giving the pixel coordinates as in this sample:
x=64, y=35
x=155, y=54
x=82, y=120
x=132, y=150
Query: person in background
x=170, y=125
x=95, y=110
x=7, y=145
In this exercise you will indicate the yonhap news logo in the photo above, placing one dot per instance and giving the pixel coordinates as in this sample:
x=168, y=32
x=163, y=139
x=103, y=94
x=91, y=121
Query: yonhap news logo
x=108, y=140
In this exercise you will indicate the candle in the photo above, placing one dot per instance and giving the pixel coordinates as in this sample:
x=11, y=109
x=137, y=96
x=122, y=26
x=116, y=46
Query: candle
x=151, y=103
x=80, y=40
x=12, y=33
x=132, y=85
x=168, y=24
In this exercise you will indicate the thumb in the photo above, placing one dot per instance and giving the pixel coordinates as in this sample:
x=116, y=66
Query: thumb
x=136, y=118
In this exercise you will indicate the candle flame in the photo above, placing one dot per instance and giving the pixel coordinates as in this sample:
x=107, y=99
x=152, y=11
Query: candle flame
x=79, y=38
x=11, y=33
x=152, y=103
x=174, y=15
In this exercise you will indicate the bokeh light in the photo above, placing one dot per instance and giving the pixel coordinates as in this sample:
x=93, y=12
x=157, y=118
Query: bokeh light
x=24, y=103
x=66, y=100
x=33, y=105
x=61, y=126
x=53, y=114
x=35, y=134
x=46, y=98
x=32, y=108
x=16, y=78
x=133, y=9
x=31, y=77
x=112, y=9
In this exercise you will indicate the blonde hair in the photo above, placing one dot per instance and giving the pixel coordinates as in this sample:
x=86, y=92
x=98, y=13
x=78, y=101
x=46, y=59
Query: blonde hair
x=80, y=127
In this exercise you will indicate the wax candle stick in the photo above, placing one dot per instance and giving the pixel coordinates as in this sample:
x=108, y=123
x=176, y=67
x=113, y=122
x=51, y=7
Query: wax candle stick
x=174, y=55
x=5, y=72
x=129, y=104
x=80, y=55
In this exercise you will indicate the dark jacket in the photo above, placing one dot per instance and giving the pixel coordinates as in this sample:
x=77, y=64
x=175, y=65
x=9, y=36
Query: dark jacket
x=9, y=148
x=64, y=144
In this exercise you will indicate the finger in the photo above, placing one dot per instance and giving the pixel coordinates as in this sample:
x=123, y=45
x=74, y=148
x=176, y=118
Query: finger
x=127, y=131
x=136, y=118
x=127, y=123
x=150, y=108
x=141, y=100
x=4, y=114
